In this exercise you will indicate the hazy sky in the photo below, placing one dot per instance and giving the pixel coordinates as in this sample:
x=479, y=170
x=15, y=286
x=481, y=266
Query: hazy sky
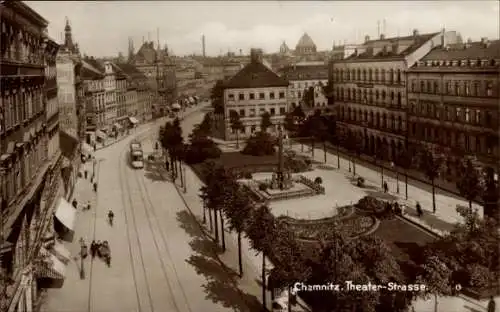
x=102, y=28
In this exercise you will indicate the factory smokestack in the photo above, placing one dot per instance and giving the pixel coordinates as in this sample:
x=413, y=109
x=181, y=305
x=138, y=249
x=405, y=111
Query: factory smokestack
x=203, y=45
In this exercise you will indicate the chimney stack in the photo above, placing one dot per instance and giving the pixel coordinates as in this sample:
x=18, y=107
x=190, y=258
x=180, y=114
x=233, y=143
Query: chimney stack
x=382, y=37
x=415, y=32
x=485, y=42
x=256, y=55
x=203, y=44
x=443, y=38
x=367, y=38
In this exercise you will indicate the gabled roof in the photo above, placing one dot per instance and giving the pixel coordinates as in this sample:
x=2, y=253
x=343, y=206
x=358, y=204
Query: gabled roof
x=118, y=71
x=255, y=75
x=89, y=72
x=464, y=51
x=305, y=72
x=95, y=63
x=305, y=42
x=130, y=70
x=146, y=52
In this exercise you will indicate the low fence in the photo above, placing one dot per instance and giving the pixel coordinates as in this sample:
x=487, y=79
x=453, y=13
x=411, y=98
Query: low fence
x=310, y=183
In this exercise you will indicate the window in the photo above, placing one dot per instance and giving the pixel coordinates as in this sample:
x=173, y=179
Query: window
x=271, y=95
x=458, y=113
x=457, y=88
x=252, y=112
x=489, y=89
x=252, y=128
x=261, y=96
x=478, y=116
x=413, y=86
x=282, y=95
x=448, y=87
x=477, y=89
x=251, y=96
x=272, y=111
x=231, y=97
x=467, y=115
x=429, y=86
x=282, y=111
x=262, y=111
x=242, y=113
x=422, y=86
x=241, y=97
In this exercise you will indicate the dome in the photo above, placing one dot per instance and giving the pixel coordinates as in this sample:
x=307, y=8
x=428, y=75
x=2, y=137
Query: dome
x=305, y=42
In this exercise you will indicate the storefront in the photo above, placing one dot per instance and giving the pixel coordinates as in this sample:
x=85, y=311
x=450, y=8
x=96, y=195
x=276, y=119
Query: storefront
x=64, y=220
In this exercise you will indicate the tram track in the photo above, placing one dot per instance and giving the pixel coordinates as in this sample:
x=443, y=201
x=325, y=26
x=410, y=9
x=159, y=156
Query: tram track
x=131, y=220
x=94, y=227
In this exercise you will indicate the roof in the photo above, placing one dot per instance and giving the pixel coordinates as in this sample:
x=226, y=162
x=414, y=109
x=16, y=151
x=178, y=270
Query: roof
x=463, y=51
x=130, y=70
x=305, y=72
x=94, y=63
x=118, y=71
x=146, y=52
x=418, y=41
x=256, y=75
x=68, y=144
x=305, y=42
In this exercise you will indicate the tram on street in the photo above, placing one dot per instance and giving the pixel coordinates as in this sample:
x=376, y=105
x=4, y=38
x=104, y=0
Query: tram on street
x=136, y=155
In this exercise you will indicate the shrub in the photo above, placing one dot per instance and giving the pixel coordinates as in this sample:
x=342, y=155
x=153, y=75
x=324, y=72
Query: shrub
x=259, y=144
x=318, y=180
x=379, y=208
x=200, y=150
x=247, y=175
x=263, y=187
x=296, y=165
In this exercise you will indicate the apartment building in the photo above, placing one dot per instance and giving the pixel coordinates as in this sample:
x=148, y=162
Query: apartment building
x=453, y=102
x=93, y=81
x=139, y=95
x=306, y=86
x=121, y=121
x=30, y=167
x=253, y=91
x=370, y=88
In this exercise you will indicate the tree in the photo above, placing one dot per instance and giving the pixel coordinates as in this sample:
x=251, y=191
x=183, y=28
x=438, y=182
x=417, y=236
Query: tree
x=217, y=97
x=238, y=213
x=380, y=155
x=206, y=124
x=353, y=145
x=431, y=162
x=261, y=231
x=404, y=159
x=469, y=184
x=265, y=122
x=308, y=96
x=236, y=124
x=470, y=251
x=319, y=129
x=290, y=124
x=490, y=194
x=259, y=144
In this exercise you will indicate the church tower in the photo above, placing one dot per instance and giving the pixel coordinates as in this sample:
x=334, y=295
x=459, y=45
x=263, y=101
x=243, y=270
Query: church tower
x=130, y=49
x=68, y=40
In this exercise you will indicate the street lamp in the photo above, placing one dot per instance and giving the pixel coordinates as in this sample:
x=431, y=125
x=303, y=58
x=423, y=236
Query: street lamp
x=393, y=166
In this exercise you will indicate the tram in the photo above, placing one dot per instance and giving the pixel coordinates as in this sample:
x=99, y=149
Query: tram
x=136, y=155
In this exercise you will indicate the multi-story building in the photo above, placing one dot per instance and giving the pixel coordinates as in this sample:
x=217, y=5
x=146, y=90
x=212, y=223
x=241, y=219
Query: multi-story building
x=121, y=121
x=139, y=94
x=28, y=172
x=69, y=93
x=252, y=92
x=93, y=81
x=370, y=88
x=309, y=80
x=453, y=102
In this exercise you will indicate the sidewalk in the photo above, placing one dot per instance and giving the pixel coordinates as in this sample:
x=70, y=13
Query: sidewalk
x=250, y=283
x=440, y=223
x=75, y=290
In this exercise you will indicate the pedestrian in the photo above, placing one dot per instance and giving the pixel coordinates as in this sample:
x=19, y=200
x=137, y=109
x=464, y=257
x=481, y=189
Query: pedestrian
x=167, y=165
x=93, y=248
x=88, y=204
x=420, y=212
x=95, y=187
x=95, y=146
x=397, y=209
x=74, y=203
x=386, y=187
x=85, y=173
x=492, y=305
x=98, y=247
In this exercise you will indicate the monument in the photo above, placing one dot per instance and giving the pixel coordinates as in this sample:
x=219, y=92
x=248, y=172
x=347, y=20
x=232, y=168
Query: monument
x=281, y=178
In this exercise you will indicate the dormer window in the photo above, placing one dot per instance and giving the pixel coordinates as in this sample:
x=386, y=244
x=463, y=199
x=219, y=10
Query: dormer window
x=472, y=62
x=455, y=63
x=429, y=63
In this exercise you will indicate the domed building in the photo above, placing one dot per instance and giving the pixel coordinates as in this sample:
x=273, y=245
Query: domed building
x=305, y=45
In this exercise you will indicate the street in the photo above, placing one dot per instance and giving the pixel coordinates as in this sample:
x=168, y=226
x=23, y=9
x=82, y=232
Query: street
x=156, y=265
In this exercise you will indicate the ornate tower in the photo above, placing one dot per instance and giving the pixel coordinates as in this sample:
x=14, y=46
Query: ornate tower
x=130, y=49
x=68, y=39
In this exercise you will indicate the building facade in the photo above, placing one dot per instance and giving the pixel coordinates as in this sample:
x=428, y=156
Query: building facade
x=252, y=92
x=139, y=94
x=93, y=85
x=121, y=121
x=370, y=89
x=306, y=86
x=453, y=103
x=28, y=157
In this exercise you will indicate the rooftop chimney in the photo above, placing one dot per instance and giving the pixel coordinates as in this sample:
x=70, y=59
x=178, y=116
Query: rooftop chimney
x=367, y=38
x=256, y=55
x=415, y=32
x=382, y=36
x=485, y=42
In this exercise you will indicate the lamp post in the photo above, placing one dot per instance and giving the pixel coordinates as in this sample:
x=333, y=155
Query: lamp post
x=397, y=176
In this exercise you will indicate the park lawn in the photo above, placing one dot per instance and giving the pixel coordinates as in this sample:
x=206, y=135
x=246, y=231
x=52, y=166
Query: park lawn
x=405, y=240
x=238, y=160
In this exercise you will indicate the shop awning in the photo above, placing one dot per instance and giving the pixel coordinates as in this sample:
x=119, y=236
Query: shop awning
x=61, y=252
x=133, y=120
x=66, y=214
x=117, y=126
x=100, y=134
x=51, y=267
x=87, y=149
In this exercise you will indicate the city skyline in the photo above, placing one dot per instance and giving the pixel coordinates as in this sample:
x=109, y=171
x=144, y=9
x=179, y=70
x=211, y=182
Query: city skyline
x=230, y=26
